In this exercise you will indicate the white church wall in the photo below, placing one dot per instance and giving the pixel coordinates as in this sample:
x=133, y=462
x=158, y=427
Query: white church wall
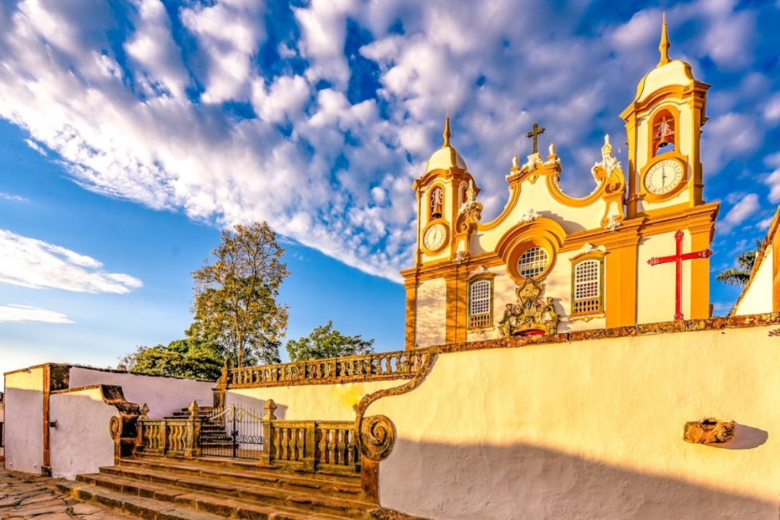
x=656, y=283
x=24, y=424
x=535, y=196
x=81, y=442
x=557, y=285
x=589, y=428
x=163, y=395
x=431, y=322
x=308, y=402
x=758, y=297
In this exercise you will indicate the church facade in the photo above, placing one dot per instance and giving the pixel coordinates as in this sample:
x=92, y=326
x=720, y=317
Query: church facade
x=635, y=250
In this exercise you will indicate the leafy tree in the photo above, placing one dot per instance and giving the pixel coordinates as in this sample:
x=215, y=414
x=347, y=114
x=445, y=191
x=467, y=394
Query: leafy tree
x=191, y=358
x=326, y=342
x=236, y=292
x=739, y=276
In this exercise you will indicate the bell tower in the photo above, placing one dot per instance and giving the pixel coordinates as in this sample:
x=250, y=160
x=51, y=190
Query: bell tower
x=663, y=124
x=441, y=191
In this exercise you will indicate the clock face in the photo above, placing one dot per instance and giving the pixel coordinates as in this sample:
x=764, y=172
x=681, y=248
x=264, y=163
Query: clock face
x=663, y=177
x=435, y=236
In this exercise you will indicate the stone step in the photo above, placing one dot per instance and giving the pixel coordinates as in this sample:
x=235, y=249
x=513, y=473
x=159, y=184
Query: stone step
x=225, y=499
x=318, y=494
x=246, y=465
x=337, y=487
x=153, y=509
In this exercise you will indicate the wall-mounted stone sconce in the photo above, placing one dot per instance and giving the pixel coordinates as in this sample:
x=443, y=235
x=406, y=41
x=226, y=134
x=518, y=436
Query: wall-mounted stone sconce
x=709, y=431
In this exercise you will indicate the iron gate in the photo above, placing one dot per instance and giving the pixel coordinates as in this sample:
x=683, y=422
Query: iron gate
x=233, y=431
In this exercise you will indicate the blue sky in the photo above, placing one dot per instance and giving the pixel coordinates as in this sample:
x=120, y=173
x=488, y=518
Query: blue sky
x=131, y=132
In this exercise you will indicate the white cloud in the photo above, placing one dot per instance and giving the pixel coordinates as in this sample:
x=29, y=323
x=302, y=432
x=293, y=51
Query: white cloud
x=28, y=262
x=743, y=209
x=14, y=198
x=764, y=223
x=26, y=313
x=773, y=179
x=35, y=146
x=772, y=109
x=330, y=174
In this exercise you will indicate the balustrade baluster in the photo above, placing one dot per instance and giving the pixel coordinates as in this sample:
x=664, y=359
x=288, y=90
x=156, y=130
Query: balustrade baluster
x=331, y=446
x=301, y=444
x=350, y=461
x=323, y=445
x=340, y=447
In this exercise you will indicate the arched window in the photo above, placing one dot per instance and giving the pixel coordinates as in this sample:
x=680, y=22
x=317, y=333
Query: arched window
x=532, y=262
x=462, y=193
x=664, y=138
x=437, y=202
x=480, y=303
x=588, y=287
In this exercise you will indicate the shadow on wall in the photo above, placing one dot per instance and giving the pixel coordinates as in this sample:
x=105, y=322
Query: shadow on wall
x=745, y=438
x=255, y=406
x=517, y=482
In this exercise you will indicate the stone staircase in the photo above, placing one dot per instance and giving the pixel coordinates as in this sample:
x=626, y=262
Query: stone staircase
x=211, y=488
x=157, y=488
x=214, y=434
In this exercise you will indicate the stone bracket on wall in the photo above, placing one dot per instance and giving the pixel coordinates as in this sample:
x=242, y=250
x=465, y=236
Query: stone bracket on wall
x=123, y=426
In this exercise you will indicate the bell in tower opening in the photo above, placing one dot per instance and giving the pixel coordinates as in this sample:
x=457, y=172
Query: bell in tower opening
x=437, y=202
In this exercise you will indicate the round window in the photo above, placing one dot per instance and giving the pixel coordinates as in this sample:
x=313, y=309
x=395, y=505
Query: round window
x=532, y=262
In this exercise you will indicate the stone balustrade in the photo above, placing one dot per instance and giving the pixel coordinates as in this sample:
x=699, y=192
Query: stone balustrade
x=403, y=364
x=309, y=445
x=300, y=445
x=170, y=437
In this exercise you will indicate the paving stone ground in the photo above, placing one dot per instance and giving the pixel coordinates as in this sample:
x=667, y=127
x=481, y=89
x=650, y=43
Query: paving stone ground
x=28, y=496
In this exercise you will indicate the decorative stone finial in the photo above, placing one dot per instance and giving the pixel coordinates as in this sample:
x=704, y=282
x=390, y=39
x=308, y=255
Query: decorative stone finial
x=664, y=46
x=194, y=409
x=552, y=149
x=144, y=412
x=447, y=134
x=270, y=408
x=529, y=216
x=515, y=162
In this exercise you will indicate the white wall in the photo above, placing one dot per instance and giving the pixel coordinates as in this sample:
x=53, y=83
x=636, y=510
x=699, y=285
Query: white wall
x=24, y=427
x=81, y=442
x=2, y=433
x=163, y=395
x=758, y=297
x=656, y=284
x=431, y=322
x=310, y=402
x=590, y=430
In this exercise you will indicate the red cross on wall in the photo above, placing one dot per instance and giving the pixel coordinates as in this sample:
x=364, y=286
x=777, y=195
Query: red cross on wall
x=678, y=258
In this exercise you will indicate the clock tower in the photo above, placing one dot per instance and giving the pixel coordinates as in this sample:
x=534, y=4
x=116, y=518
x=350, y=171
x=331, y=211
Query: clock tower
x=441, y=191
x=663, y=124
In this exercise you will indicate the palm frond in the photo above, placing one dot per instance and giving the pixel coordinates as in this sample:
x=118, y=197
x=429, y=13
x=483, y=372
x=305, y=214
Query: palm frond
x=734, y=276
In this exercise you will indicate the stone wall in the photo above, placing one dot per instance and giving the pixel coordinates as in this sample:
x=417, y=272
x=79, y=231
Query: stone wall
x=163, y=395
x=24, y=424
x=591, y=428
x=80, y=442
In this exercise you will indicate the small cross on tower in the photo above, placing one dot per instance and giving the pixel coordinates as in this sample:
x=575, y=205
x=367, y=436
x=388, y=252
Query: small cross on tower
x=534, y=134
x=678, y=258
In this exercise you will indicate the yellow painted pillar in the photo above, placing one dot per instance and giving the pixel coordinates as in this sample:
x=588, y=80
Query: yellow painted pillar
x=700, y=274
x=411, y=314
x=621, y=295
x=456, y=307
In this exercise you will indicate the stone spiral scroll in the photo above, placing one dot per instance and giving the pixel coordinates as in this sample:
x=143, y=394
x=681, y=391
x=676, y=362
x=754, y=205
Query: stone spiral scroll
x=377, y=437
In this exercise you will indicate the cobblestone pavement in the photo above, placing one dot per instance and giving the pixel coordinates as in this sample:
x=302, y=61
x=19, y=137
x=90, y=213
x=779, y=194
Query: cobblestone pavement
x=30, y=496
